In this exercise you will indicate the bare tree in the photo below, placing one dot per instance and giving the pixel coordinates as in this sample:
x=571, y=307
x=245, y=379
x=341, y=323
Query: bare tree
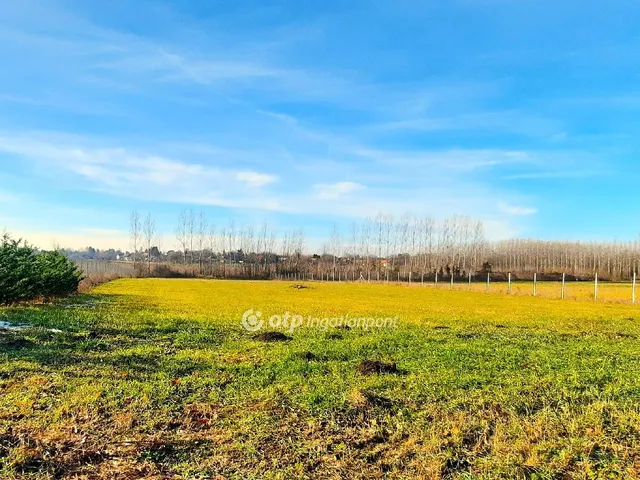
x=223, y=251
x=135, y=232
x=353, y=248
x=202, y=231
x=231, y=239
x=149, y=232
x=364, y=247
x=335, y=248
x=271, y=244
x=380, y=241
x=182, y=233
x=212, y=246
x=191, y=233
x=263, y=240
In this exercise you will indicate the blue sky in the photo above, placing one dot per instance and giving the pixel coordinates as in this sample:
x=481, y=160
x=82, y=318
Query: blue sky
x=305, y=114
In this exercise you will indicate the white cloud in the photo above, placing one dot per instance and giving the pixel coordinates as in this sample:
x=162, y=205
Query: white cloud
x=148, y=175
x=516, y=209
x=255, y=179
x=334, y=191
x=431, y=147
x=461, y=160
x=131, y=174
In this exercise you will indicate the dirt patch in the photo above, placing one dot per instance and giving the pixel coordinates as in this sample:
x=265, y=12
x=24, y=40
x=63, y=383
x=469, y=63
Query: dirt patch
x=272, y=337
x=16, y=343
x=501, y=326
x=300, y=287
x=343, y=327
x=309, y=356
x=625, y=335
x=374, y=367
x=441, y=327
x=334, y=336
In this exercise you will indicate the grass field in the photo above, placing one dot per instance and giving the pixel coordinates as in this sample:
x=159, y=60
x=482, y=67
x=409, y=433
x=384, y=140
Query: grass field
x=158, y=379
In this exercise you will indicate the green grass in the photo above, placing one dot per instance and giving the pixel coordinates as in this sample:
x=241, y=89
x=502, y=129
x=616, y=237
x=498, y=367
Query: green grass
x=157, y=379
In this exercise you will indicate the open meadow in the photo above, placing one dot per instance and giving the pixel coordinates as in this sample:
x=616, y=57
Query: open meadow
x=150, y=378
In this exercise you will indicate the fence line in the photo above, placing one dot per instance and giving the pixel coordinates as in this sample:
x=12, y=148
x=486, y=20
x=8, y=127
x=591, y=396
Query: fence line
x=107, y=267
x=126, y=269
x=563, y=292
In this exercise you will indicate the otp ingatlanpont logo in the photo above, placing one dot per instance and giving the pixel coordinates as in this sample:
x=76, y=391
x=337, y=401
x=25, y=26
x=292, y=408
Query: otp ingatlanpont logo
x=252, y=321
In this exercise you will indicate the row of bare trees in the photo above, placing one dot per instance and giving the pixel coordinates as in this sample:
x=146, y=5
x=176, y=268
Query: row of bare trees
x=615, y=260
x=143, y=235
x=385, y=246
x=232, y=248
x=379, y=248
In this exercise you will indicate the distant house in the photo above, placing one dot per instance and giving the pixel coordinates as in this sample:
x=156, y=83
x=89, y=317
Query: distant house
x=384, y=263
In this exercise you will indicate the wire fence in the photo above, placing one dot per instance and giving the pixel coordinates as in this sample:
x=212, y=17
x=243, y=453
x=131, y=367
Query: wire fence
x=575, y=289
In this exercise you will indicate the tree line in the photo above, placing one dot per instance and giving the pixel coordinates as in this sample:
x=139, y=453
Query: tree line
x=384, y=247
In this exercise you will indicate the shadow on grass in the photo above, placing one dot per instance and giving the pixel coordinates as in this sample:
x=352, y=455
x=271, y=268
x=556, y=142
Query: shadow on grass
x=84, y=334
x=92, y=358
x=71, y=314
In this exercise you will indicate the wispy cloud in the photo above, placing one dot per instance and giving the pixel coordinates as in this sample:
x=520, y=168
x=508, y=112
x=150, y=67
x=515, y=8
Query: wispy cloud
x=334, y=191
x=152, y=176
x=289, y=117
x=516, y=209
x=449, y=159
x=255, y=179
x=128, y=173
x=7, y=197
x=550, y=174
x=506, y=121
x=228, y=67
